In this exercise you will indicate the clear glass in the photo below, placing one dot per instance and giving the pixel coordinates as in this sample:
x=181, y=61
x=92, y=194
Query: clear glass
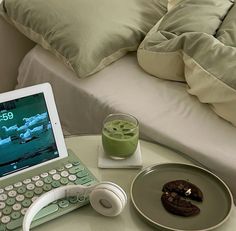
x=120, y=134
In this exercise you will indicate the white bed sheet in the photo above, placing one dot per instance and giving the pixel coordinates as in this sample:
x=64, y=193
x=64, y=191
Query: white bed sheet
x=166, y=112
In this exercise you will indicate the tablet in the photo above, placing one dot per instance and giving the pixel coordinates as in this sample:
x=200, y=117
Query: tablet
x=30, y=130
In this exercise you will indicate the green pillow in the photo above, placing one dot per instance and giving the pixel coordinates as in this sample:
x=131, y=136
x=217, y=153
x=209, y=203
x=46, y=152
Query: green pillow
x=86, y=34
x=196, y=42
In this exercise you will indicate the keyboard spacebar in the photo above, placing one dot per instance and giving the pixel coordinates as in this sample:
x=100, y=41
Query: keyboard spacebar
x=42, y=213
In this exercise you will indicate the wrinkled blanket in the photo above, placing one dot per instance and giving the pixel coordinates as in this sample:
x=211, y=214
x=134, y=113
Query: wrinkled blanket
x=195, y=42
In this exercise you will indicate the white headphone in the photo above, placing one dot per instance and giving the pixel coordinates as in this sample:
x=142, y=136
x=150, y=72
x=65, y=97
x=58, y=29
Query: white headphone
x=106, y=198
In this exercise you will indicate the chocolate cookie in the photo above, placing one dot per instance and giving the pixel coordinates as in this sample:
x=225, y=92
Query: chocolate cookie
x=175, y=195
x=184, y=189
x=176, y=204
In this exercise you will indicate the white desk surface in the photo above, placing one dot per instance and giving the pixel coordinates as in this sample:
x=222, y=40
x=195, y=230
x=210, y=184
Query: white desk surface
x=86, y=219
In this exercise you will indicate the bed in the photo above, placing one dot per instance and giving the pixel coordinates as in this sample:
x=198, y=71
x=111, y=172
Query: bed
x=167, y=113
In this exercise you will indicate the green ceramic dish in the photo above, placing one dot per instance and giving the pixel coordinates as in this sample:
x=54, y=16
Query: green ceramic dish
x=146, y=191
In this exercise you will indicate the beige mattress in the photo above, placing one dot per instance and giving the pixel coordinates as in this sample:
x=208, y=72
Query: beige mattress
x=166, y=112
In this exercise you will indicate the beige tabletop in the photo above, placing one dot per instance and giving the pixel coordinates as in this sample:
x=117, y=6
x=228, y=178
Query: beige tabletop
x=86, y=219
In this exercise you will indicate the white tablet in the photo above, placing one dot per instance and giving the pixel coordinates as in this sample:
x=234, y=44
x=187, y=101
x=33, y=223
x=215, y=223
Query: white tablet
x=30, y=130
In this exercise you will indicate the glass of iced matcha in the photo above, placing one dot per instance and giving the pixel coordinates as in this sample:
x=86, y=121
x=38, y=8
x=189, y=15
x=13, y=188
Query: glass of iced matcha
x=120, y=134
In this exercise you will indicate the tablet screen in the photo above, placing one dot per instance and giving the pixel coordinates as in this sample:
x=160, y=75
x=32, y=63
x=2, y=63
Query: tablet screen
x=26, y=134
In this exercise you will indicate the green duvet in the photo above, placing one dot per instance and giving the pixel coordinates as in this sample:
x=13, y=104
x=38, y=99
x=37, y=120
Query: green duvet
x=196, y=42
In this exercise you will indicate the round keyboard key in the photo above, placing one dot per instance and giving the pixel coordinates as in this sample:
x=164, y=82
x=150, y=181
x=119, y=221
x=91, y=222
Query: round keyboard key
x=35, y=178
x=26, y=203
x=64, y=203
x=10, y=201
x=15, y=215
x=73, y=200
x=38, y=191
x=72, y=177
x=5, y=219
x=0, y=215
x=20, y=198
x=81, y=198
x=56, y=177
x=64, y=180
x=16, y=207
x=3, y=197
x=29, y=194
x=7, y=210
x=43, y=175
x=18, y=184
x=47, y=180
x=75, y=163
x=30, y=186
x=2, y=205
x=21, y=189
x=9, y=187
x=53, y=171
x=23, y=211
x=69, y=165
x=47, y=187
x=64, y=174
x=12, y=193
x=56, y=184
x=26, y=181
x=60, y=169
x=1, y=190
x=39, y=183
x=34, y=198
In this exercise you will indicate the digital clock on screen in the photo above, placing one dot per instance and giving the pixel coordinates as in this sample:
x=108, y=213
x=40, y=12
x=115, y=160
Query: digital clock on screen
x=6, y=116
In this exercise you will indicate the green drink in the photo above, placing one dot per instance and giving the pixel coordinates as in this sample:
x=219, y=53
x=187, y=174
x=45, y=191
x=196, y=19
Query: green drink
x=120, y=135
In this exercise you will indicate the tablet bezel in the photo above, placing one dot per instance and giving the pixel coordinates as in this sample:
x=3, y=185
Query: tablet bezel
x=46, y=89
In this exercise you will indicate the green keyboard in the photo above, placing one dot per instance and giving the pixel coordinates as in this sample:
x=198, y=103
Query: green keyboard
x=19, y=192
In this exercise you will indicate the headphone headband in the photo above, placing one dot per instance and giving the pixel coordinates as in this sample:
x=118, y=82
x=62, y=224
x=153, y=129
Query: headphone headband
x=106, y=198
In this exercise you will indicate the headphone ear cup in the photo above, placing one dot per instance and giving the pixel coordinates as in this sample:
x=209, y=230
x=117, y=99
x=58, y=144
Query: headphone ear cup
x=108, y=199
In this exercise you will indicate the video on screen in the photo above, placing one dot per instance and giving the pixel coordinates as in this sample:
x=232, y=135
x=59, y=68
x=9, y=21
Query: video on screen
x=26, y=135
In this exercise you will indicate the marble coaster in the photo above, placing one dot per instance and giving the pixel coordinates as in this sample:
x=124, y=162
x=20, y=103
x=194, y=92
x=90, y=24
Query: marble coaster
x=134, y=161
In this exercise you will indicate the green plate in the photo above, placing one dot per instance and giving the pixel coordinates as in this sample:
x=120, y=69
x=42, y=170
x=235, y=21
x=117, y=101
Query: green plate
x=146, y=191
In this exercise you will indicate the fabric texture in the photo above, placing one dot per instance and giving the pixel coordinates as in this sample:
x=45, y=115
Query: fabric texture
x=196, y=42
x=167, y=114
x=86, y=35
